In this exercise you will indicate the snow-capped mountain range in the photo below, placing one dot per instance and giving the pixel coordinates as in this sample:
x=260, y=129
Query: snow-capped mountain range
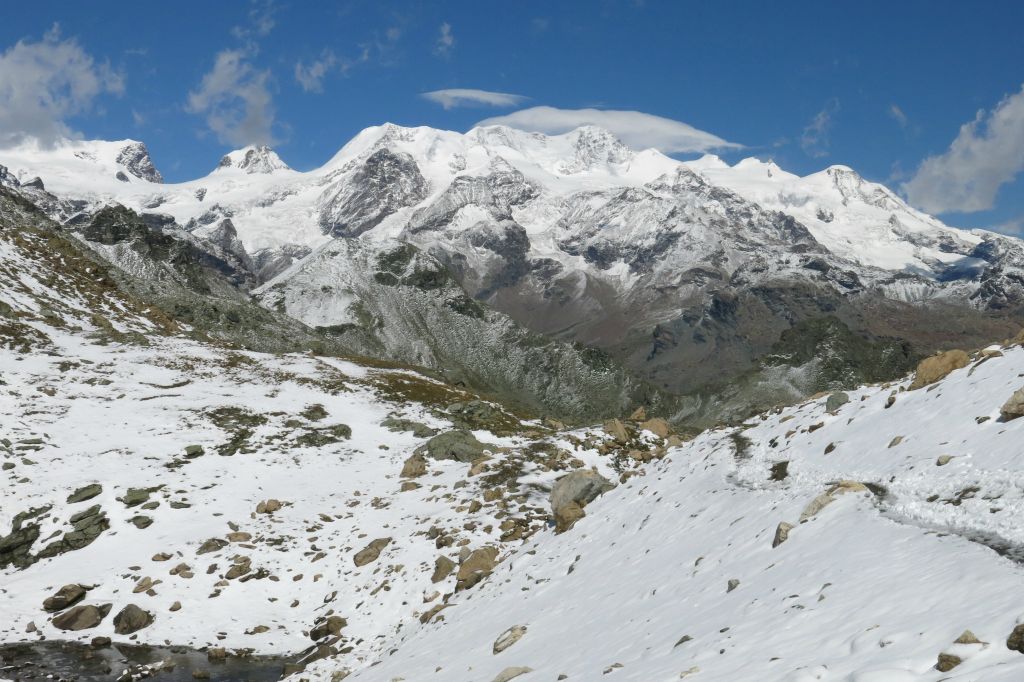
x=663, y=263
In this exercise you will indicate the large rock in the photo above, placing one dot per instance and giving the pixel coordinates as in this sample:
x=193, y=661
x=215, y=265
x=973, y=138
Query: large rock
x=829, y=496
x=415, y=466
x=938, y=366
x=85, y=493
x=443, y=568
x=512, y=672
x=572, y=492
x=477, y=566
x=370, y=553
x=781, y=533
x=508, y=638
x=131, y=619
x=81, y=617
x=459, y=445
x=836, y=400
x=330, y=626
x=1014, y=407
x=69, y=595
x=1015, y=641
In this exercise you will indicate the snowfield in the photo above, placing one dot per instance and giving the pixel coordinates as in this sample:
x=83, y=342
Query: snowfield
x=872, y=587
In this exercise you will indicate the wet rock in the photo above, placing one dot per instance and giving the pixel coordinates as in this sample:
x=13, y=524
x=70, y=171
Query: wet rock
x=443, y=567
x=781, y=533
x=1014, y=407
x=131, y=619
x=371, y=551
x=415, y=466
x=69, y=595
x=459, y=445
x=477, y=566
x=99, y=642
x=938, y=366
x=85, y=493
x=81, y=617
x=508, y=638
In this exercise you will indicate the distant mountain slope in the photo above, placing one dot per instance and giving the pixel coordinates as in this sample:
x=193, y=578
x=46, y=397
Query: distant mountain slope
x=686, y=273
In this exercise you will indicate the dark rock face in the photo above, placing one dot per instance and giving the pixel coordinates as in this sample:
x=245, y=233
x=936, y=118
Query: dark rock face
x=135, y=158
x=386, y=182
x=15, y=548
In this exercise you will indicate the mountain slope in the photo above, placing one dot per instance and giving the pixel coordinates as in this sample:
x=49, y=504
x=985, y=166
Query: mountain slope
x=676, y=574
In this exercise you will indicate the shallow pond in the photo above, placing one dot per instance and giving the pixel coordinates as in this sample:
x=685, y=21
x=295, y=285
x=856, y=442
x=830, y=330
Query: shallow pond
x=57, y=660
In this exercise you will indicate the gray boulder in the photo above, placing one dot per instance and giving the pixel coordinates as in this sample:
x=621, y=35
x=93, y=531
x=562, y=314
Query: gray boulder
x=574, y=491
x=131, y=619
x=81, y=617
x=459, y=445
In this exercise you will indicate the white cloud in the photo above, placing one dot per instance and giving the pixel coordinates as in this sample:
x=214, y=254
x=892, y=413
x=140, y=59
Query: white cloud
x=635, y=128
x=44, y=83
x=897, y=114
x=261, y=21
x=235, y=98
x=1012, y=227
x=311, y=77
x=467, y=97
x=815, y=138
x=445, y=40
x=987, y=154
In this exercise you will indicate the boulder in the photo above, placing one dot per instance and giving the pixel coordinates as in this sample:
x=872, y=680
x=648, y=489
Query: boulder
x=947, y=662
x=81, y=617
x=835, y=401
x=658, y=426
x=370, y=553
x=1014, y=407
x=617, y=430
x=829, y=496
x=131, y=619
x=577, y=488
x=938, y=366
x=508, y=638
x=69, y=595
x=511, y=673
x=268, y=506
x=781, y=533
x=1015, y=642
x=459, y=445
x=477, y=566
x=443, y=567
x=415, y=466
x=85, y=493
x=212, y=545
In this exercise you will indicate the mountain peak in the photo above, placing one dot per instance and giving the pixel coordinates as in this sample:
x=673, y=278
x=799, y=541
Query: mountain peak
x=134, y=156
x=253, y=159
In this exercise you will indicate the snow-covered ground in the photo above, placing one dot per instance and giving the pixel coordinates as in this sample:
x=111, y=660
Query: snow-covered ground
x=871, y=587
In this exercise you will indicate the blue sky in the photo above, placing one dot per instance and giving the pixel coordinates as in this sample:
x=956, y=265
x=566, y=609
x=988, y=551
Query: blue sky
x=880, y=86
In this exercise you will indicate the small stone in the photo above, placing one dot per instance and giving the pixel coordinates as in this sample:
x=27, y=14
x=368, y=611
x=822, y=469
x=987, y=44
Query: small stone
x=176, y=606
x=732, y=585
x=415, y=466
x=142, y=522
x=268, y=506
x=193, y=450
x=943, y=460
x=216, y=654
x=967, y=637
x=211, y=545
